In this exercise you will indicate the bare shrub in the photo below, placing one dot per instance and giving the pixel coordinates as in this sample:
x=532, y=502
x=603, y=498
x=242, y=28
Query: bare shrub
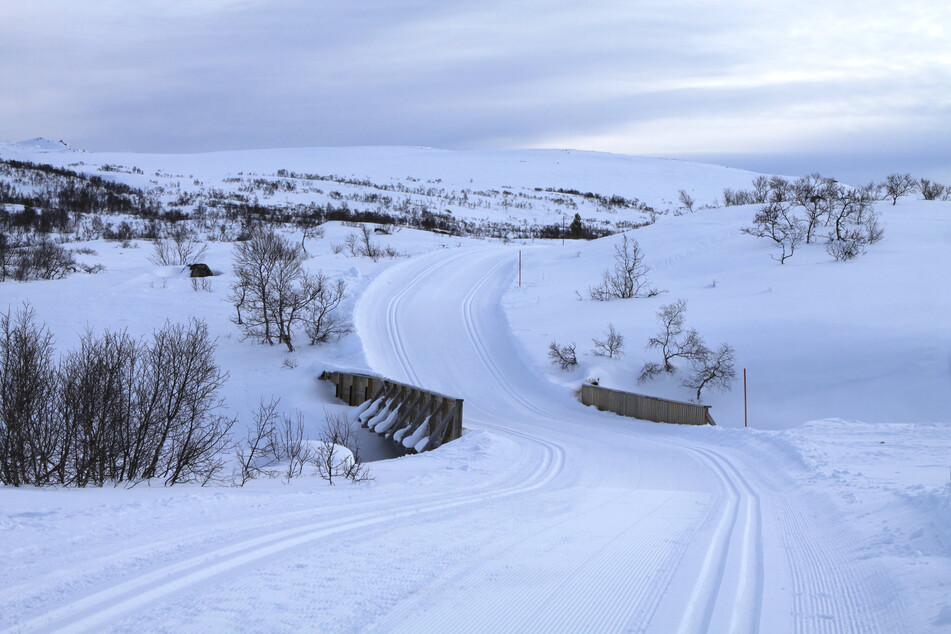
x=338, y=455
x=848, y=247
x=733, y=198
x=274, y=446
x=296, y=453
x=115, y=410
x=627, y=279
x=44, y=260
x=163, y=253
x=322, y=321
x=686, y=201
x=932, y=191
x=31, y=442
x=179, y=405
x=182, y=247
x=612, y=346
x=563, y=356
x=258, y=454
x=98, y=389
x=849, y=213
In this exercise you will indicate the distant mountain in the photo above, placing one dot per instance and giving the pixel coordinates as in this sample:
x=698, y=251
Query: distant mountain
x=42, y=143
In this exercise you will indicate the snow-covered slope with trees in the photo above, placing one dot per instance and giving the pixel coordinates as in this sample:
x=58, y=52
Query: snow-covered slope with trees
x=830, y=513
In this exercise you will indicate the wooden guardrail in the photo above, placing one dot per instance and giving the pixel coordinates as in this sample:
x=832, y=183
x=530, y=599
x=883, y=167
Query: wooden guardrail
x=416, y=419
x=658, y=410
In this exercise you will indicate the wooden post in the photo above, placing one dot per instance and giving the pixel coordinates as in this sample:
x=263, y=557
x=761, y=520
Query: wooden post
x=745, y=419
x=520, y=267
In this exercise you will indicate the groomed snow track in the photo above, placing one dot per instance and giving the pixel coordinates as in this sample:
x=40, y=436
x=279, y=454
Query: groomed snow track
x=590, y=523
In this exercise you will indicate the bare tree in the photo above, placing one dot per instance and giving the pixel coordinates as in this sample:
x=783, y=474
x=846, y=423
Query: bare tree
x=776, y=221
x=255, y=261
x=674, y=341
x=712, y=369
x=563, y=356
x=814, y=193
x=760, y=189
x=627, y=279
x=898, y=185
x=272, y=293
x=612, y=346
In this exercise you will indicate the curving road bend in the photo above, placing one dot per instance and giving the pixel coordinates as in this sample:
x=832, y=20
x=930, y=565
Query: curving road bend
x=628, y=526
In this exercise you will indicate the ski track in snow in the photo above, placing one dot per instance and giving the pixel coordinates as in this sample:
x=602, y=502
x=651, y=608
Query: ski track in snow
x=728, y=592
x=622, y=545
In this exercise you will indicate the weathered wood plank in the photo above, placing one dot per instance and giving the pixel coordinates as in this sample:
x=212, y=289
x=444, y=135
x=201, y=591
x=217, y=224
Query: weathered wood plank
x=644, y=407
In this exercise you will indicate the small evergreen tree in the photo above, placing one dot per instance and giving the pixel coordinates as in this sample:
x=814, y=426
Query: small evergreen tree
x=576, y=229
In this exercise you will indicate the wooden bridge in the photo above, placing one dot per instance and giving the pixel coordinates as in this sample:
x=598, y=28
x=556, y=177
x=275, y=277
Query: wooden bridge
x=417, y=419
x=658, y=410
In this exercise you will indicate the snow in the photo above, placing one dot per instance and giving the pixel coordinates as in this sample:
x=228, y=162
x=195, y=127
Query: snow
x=39, y=144
x=830, y=513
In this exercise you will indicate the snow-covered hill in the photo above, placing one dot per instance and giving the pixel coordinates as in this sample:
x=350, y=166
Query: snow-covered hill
x=546, y=515
x=527, y=188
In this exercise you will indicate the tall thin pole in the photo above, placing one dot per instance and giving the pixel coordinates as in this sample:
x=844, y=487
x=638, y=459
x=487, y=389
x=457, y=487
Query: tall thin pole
x=519, y=267
x=745, y=419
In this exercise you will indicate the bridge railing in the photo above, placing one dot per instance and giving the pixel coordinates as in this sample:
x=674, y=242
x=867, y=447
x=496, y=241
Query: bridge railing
x=415, y=418
x=658, y=410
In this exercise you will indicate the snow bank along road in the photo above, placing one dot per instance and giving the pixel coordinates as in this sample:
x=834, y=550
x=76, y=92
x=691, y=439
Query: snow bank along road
x=548, y=516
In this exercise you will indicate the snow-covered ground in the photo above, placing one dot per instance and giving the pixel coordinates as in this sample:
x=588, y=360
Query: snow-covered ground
x=546, y=515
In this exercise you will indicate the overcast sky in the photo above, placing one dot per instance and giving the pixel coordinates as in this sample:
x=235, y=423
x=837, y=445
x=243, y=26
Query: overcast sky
x=853, y=89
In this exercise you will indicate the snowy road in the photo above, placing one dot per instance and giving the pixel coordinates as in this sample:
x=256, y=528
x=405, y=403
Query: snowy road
x=548, y=516
x=627, y=526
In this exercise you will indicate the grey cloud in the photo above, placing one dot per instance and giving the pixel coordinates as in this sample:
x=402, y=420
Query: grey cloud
x=235, y=74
